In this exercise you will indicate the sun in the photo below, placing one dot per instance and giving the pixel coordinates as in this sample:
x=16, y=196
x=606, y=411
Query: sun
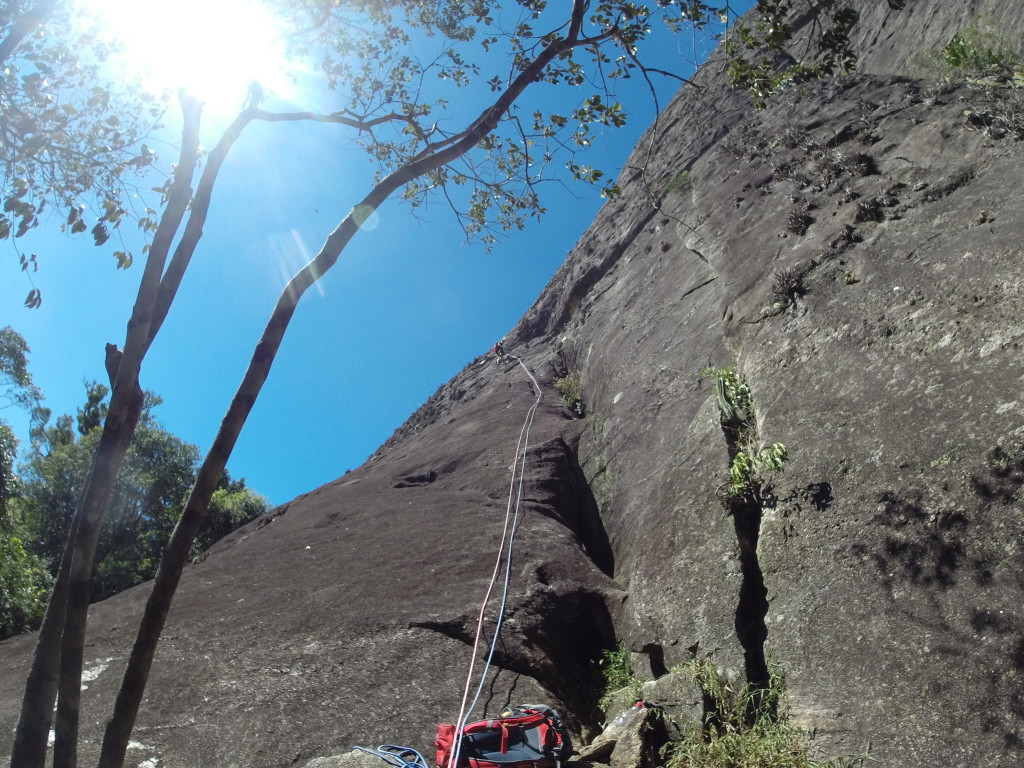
x=213, y=48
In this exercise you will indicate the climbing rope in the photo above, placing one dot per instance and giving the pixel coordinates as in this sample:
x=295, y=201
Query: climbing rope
x=406, y=757
x=400, y=757
x=508, y=534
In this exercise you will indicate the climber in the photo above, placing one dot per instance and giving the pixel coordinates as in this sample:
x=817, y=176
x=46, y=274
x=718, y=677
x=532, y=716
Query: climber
x=499, y=351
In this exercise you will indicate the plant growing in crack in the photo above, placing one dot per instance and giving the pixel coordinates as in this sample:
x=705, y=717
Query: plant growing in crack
x=749, y=469
x=751, y=464
x=745, y=726
x=568, y=387
x=734, y=398
x=617, y=672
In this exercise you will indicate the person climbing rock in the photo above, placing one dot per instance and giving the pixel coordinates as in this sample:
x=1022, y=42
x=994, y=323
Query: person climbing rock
x=499, y=351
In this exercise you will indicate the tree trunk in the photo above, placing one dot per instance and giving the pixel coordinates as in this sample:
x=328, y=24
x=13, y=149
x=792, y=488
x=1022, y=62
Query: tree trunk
x=62, y=636
x=118, y=428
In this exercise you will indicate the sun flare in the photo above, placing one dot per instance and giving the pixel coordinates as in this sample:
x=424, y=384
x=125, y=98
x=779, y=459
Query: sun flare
x=214, y=48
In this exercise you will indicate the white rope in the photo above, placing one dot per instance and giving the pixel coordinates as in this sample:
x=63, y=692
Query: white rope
x=508, y=534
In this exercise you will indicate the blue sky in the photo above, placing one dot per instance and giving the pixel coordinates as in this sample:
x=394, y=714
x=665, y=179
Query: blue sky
x=408, y=305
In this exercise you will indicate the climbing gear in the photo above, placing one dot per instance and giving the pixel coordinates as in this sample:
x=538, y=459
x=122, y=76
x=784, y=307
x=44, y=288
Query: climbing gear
x=527, y=736
x=507, y=540
x=400, y=757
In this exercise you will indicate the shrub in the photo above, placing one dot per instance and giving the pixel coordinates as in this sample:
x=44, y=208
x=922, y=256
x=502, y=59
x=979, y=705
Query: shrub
x=751, y=466
x=24, y=585
x=799, y=220
x=682, y=182
x=568, y=387
x=787, y=285
x=969, y=54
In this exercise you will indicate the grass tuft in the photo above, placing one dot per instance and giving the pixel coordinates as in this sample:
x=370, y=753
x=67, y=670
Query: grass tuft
x=746, y=727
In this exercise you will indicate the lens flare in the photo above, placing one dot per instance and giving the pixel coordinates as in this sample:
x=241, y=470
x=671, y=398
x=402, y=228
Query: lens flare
x=214, y=48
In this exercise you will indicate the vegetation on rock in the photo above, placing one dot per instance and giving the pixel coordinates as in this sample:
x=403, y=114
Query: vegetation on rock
x=978, y=51
x=680, y=183
x=751, y=464
x=569, y=387
x=617, y=673
x=755, y=49
x=745, y=727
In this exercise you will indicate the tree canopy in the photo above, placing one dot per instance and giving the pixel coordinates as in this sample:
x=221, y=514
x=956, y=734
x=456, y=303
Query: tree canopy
x=38, y=499
x=70, y=138
x=24, y=579
x=151, y=488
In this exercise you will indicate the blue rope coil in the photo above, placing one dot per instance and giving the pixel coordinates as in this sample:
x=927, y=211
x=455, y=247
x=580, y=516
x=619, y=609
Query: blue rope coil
x=400, y=757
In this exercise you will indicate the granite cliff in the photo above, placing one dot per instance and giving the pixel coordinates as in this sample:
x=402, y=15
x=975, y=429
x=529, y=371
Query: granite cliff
x=854, y=250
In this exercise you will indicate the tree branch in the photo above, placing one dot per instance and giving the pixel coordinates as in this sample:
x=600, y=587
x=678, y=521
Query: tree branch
x=361, y=124
x=24, y=26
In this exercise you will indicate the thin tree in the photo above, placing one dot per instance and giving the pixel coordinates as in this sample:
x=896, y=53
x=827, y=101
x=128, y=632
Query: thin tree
x=60, y=644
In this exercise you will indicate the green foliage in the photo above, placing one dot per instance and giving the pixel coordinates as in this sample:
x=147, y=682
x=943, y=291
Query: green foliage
x=232, y=506
x=681, y=183
x=745, y=727
x=17, y=388
x=69, y=136
x=971, y=54
x=751, y=465
x=750, y=469
x=734, y=398
x=24, y=582
x=752, y=49
x=494, y=188
x=16, y=385
x=617, y=672
x=158, y=472
x=8, y=480
x=569, y=387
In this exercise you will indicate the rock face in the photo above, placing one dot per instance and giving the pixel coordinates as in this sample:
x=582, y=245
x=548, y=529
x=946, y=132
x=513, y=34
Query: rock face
x=855, y=251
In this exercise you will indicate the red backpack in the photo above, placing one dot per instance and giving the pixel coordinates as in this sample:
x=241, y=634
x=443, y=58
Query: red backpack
x=527, y=736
